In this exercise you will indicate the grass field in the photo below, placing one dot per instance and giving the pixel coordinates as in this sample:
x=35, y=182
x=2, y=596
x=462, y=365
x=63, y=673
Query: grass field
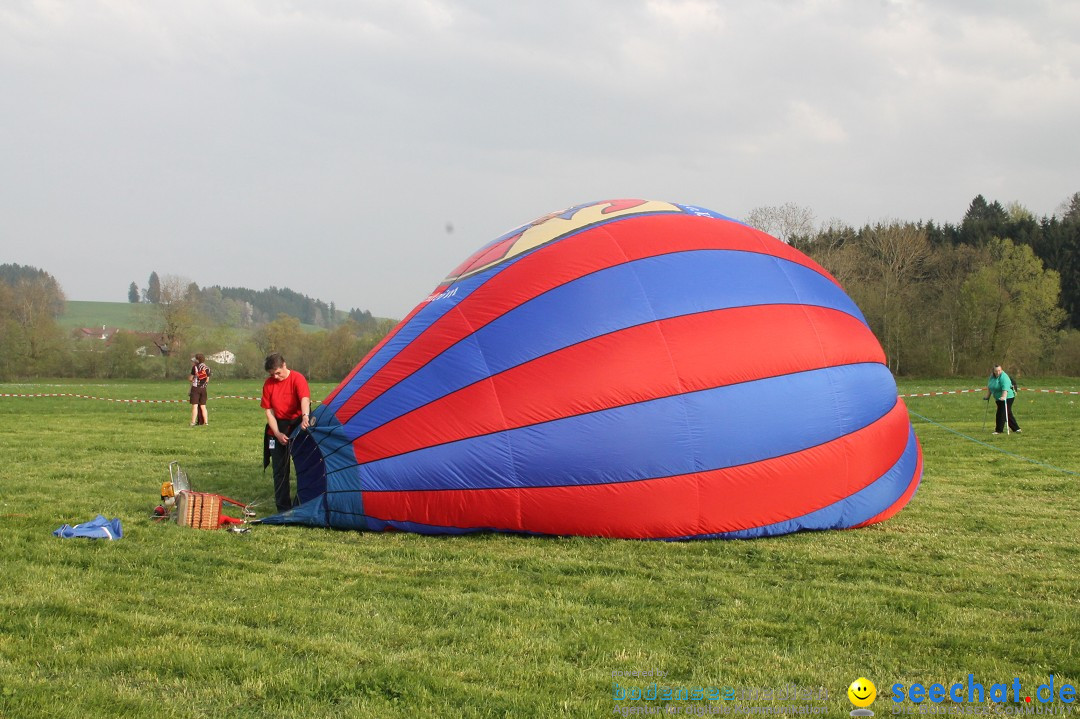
x=979, y=575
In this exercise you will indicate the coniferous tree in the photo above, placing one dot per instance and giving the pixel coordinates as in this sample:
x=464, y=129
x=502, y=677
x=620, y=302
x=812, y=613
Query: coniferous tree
x=133, y=293
x=1070, y=208
x=982, y=221
x=153, y=289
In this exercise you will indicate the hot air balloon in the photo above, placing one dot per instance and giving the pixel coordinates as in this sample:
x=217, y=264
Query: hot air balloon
x=626, y=368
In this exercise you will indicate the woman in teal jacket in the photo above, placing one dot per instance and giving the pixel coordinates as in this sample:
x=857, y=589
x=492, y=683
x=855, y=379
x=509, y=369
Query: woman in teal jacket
x=1001, y=388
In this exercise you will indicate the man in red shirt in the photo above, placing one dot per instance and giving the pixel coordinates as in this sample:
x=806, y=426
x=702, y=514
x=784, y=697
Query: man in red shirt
x=287, y=401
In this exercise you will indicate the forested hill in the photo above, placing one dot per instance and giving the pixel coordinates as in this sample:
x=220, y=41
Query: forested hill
x=11, y=274
x=269, y=303
x=243, y=307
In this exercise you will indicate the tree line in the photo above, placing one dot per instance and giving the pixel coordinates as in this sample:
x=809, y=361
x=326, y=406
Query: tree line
x=176, y=319
x=944, y=300
x=30, y=340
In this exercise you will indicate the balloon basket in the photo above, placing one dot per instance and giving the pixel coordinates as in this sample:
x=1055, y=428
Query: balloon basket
x=198, y=510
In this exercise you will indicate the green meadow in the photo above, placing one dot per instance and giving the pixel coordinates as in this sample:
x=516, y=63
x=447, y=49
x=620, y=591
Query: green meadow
x=134, y=317
x=125, y=315
x=979, y=575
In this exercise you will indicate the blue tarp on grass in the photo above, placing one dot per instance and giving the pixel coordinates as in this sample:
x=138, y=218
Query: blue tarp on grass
x=97, y=528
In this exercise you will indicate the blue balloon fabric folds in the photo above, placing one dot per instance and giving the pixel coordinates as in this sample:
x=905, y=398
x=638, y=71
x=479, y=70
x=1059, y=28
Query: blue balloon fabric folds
x=96, y=528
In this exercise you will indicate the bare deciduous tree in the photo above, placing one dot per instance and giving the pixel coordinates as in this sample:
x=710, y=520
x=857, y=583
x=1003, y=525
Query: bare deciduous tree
x=175, y=311
x=897, y=255
x=787, y=223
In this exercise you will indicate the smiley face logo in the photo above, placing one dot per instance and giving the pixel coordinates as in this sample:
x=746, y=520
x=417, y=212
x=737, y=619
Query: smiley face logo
x=862, y=692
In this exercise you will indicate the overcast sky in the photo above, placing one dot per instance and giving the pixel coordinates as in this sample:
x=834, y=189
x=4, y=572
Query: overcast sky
x=330, y=146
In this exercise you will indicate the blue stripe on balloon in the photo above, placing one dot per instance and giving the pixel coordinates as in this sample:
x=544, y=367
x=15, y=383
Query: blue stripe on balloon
x=312, y=513
x=704, y=212
x=612, y=299
x=343, y=500
x=380, y=525
x=331, y=454
x=694, y=432
x=850, y=511
x=405, y=335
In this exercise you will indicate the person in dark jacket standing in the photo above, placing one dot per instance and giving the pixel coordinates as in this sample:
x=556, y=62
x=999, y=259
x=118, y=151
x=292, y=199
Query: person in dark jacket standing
x=287, y=401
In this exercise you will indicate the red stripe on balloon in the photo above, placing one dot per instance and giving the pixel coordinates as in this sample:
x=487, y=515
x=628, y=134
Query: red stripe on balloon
x=722, y=500
x=658, y=359
x=489, y=255
x=900, y=503
x=561, y=262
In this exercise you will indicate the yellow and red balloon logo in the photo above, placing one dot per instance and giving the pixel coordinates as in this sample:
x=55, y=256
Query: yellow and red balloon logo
x=550, y=228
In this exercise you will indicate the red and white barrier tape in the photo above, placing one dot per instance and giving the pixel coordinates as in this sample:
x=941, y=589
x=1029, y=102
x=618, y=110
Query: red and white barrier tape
x=126, y=401
x=983, y=389
x=937, y=394
x=1048, y=391
x=235, y=396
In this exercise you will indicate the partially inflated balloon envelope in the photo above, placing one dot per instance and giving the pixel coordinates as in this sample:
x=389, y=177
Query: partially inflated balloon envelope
x=625, y=368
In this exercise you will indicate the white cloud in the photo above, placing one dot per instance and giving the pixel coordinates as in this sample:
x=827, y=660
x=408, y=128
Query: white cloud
x=814, y=123
x=688, y=16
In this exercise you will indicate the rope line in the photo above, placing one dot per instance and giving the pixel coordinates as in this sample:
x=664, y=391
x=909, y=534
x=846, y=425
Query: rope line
x=996, y=449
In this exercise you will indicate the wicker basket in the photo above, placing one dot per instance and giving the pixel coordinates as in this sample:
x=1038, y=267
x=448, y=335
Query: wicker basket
x=198, y=510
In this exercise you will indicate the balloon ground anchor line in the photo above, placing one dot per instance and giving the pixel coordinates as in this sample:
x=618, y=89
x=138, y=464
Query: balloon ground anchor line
x=996, y=449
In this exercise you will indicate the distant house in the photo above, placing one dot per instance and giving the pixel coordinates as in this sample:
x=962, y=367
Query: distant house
x=93, y=333
x=222, y=357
